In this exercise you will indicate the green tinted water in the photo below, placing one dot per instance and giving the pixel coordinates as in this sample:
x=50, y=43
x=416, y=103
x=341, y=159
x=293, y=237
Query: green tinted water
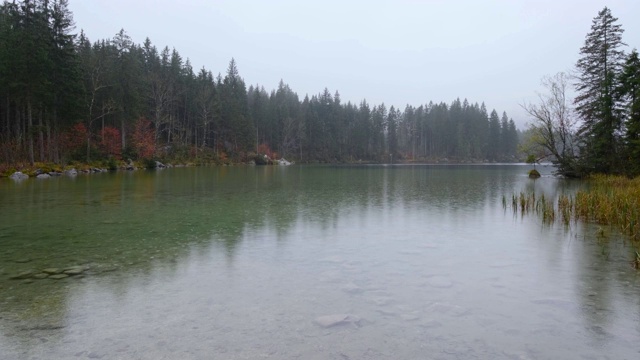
x=249, y=262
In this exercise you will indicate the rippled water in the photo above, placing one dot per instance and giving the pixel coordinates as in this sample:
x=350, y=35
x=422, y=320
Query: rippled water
x=302, y=262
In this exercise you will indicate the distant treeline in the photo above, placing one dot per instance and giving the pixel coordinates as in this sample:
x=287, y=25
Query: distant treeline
x=65, y=98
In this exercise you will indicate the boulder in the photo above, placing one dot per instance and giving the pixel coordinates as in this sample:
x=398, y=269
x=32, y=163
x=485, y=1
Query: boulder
x=160, y=165
x=43, y=176
x=71, y=172
x=18, y=176
x=534, y=174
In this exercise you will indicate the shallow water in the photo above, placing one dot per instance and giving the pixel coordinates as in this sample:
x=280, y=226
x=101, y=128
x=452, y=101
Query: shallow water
x=248, y=262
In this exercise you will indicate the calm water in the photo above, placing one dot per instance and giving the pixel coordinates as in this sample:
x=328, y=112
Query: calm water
x=412, y=262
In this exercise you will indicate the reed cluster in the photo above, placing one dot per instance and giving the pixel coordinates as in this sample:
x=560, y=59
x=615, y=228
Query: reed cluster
x=525, y=203
x=607, y=200
x=610, y=200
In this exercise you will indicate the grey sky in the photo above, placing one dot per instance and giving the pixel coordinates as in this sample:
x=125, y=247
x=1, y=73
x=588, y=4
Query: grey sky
x=397, y=52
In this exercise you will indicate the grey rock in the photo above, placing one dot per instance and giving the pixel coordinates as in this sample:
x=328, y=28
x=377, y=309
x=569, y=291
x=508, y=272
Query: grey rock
x=18, y=176
x=41, y=276
x=43, y=176
x=71, y=172
x=160, y=165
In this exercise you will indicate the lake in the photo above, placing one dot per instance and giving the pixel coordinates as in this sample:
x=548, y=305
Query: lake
x=307, y=262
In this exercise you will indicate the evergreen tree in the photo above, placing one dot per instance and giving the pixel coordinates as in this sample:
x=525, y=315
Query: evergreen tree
x=598, y=103
x=630, y=82
x=65, y=74
x=392, y=133
x=493, y=147
x=236, y=123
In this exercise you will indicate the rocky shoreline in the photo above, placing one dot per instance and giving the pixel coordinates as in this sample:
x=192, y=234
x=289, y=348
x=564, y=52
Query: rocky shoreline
x=41, y=174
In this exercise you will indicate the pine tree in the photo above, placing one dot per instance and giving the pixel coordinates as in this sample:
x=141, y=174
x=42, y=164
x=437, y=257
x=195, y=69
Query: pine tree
x=392, y=132
x=598, y=103
x=236, y=119
x=493, y=147
x=630, y=83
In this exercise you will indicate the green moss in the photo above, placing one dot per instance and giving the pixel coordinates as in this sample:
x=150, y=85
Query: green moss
x=534, y=174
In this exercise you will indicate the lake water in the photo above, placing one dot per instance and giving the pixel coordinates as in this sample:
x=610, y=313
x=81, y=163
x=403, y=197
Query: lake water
x=307, y=262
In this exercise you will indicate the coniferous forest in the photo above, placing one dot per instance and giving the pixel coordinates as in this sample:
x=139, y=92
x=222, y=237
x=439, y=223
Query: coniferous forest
x=65, y=97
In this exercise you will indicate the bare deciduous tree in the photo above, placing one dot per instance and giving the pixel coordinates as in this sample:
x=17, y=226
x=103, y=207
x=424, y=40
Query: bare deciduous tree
x=554, y=124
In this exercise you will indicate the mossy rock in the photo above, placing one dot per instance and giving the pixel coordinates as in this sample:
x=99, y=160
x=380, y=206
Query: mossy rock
x=534, y=174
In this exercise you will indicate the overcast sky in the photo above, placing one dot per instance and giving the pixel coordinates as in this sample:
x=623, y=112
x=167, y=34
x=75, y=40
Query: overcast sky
x=397, y=52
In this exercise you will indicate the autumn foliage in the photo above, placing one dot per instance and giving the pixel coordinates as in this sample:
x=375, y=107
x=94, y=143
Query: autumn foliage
x=144, y=139
x=110, y=144
x=74, y=140
x=264, y=149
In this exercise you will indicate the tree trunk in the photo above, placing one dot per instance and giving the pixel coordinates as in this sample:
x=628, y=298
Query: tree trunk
x=7, y=119
x=122, y=134
x=88, y=146
x=55, y=146
x=40, y=135
x=30, y=132
x=49, y=143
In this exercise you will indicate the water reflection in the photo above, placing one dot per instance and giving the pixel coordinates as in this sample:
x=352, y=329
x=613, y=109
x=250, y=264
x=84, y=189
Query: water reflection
x=241, y=260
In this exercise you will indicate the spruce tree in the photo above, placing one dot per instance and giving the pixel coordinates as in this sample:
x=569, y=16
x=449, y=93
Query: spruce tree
x=493, y=147
x=630, y=84
x=598, y=103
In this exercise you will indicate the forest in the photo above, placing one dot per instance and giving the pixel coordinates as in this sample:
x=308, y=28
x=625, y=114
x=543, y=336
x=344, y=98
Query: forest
x=64, y=98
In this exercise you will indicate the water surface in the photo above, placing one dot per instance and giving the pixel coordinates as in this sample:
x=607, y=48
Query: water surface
x=246, y=262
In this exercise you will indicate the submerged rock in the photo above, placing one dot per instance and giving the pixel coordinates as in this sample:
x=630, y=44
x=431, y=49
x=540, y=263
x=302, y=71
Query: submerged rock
x=58, y=276
x=23, y=275
x=41, y=276
x=440, y=282
x=76, y=270
x=52, y=271
x=328, y=321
